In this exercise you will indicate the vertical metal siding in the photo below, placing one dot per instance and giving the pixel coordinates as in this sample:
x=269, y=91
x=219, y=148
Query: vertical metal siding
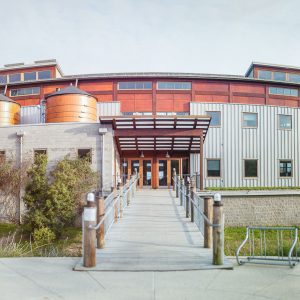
x=108, y=109
x=232, y=144
x=30, y=114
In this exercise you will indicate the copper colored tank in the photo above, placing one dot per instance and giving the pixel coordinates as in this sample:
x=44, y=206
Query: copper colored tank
x=71, y=105
x=9, y=111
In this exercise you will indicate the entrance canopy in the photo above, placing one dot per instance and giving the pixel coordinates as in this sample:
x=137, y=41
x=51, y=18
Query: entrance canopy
x=158, y=133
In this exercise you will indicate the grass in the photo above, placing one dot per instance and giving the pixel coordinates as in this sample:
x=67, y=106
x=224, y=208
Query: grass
x=234, y=236
x=14, y=243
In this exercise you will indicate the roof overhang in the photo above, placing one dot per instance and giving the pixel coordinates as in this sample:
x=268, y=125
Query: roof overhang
x=158, y=133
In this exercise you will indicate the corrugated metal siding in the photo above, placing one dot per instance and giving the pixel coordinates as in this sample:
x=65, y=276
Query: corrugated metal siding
x=232, y=144
x=30, y=114
x=108, y=109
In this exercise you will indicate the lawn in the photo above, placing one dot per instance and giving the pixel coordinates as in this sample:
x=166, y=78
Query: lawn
x=15, y=243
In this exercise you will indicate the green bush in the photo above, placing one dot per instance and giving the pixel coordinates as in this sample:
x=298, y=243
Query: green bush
x=43, y=236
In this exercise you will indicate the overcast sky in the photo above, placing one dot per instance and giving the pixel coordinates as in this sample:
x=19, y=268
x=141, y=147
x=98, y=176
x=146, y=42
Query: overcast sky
x=95, y=36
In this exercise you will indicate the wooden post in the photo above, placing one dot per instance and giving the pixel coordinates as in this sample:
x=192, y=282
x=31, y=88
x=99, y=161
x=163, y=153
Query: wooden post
x=193, y=196
x=181, y=190
x=187, y=199
x=177, y=182
x=89, y=241
x=116, y=212
x=208, y=212
x=173, y=178
x=201, y=163
x=129, y=192
x=218, y=231
x=100, y=215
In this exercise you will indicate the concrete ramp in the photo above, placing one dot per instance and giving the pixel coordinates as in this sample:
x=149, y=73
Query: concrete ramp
x=154, y=235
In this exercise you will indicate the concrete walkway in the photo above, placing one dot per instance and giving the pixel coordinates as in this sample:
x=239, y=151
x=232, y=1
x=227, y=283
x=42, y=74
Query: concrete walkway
x=154, y=235
x=53, y=278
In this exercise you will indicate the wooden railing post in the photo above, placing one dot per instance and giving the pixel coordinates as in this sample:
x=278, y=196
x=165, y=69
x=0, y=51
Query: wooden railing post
x=177, y=182
x=187, y=199
x=182, y=187
x=208, y=212
x=173, y=178
x=129, y=192
x=100, y=215
x=121, y=200
x=218, y=231
x=89, y=235
x=193, y=197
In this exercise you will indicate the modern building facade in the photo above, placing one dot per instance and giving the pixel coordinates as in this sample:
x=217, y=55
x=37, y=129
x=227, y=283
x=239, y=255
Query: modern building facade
x=154, y=122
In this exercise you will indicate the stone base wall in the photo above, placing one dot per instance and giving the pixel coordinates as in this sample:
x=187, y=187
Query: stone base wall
x=269, y=210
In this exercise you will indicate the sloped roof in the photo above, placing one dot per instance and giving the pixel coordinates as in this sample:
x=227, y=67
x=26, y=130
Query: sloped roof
x=4, y=98
x=69, y=90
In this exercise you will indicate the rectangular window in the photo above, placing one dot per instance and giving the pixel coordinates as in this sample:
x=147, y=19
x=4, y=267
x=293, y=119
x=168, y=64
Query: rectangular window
x=38, y=152
x=285, y=122
x=138, y=85
x=250, y=166
x=250, y=120
x=85, y=154
x=294, y=77
x=264, y=74
x=29, y=76
x=44, y=74
x=25, y=91
x=182, y=113
x=283, y=91
x=3, y=79
x=279, y=76
x=168, y=85
x=15, y=77
x=285, y=168
x=142, y=113
x=2, y=157
x=213, y=168
x=165, y=113
x=215, y=118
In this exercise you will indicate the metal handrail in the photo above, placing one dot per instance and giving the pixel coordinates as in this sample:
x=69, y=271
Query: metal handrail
x=263, y=257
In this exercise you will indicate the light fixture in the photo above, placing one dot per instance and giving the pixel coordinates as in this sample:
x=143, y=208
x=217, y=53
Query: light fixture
x=142, y=154
x=167, y=155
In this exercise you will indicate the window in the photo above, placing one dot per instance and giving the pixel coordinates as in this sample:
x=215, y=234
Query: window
x=25, y=91
x=264, y=74
x=15, y=77
x=213, y=168
x=3, y=79
x=168, y=85
x=2, y=157
x=139, y=85
x=283, y=91
x=44, y=74
x=2, y=91
x=285, y=122
x=165, y=113
x=285, y=168
x=142, y=113
x=38, y=152
x=29, y=76
x=249, y=120
x=294, y=78
x=250, y=167
x=85, y=154
x=279, y=76
x=215, y=118
x=182, y=113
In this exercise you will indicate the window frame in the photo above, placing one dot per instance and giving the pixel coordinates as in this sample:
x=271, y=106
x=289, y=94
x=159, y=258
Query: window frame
x=33, y=72
x=286, y=115
x=213, y=177
x=253, y=113
x=4, y=76
x=292, y=165
x=90, y=156
x=244, y=168
x=35, y=152
x=173, y=89
x=40, y=71
x=9, y=81
x=10, y=92
x=135, y=89
x=283, y=94
x=215, y=111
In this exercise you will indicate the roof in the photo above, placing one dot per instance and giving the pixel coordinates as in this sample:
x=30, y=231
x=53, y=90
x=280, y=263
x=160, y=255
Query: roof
x=4, y=98
x=69, y=90
x=158, y=133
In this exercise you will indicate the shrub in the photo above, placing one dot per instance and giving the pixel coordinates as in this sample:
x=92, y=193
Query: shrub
x=43, y=236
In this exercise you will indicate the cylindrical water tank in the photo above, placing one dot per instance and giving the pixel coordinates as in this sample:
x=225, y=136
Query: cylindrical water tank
x=71, y=105
x=9, y=111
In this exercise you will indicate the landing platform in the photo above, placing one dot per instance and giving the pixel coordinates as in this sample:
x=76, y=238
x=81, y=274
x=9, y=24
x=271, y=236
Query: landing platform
x=154, y=235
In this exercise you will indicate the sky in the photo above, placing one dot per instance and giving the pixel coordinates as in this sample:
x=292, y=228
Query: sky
x=104, y=36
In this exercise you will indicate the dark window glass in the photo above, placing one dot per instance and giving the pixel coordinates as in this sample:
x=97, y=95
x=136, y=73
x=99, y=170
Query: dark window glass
x=294, y=78
x=264, y=74
x=285, y=122
x=85, y=154
x=3, y=79
x=283, y=91
x=251, y=168
x=29, y=76
x=249, y=120
x=25, y=91
x=213, y=168
x=139, y=85
x=215, y=118
x=285, y=168
x=2, y=157
x=168, y=85
x=15, y=77
x=44, y=74
x=279, y=76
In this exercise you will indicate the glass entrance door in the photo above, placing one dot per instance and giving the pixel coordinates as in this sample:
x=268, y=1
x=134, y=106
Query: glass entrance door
x=162, y=173
x=147, y=172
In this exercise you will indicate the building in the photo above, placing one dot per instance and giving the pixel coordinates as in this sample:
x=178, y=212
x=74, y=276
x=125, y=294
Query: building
x=149, y=122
